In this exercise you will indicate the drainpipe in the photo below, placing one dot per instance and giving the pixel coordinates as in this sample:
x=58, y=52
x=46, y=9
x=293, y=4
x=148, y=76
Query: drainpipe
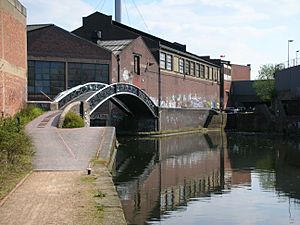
x=118, y=61
x=159, y=77
x=221, y=86
x=159, y=90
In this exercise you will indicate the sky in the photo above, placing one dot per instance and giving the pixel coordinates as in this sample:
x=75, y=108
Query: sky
x=252, y=32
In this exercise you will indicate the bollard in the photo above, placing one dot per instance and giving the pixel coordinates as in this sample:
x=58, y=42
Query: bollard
x=89, y=170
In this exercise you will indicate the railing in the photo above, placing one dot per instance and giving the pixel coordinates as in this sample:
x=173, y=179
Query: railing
x=290, y=63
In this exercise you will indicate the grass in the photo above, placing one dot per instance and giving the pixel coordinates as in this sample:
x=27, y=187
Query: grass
x=73, y=120
x=16, y=150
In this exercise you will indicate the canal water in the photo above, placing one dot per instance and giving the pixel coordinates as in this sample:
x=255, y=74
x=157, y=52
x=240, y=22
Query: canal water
x=209, y=179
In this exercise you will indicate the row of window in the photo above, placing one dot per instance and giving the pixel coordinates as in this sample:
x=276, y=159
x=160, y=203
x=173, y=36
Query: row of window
x=50, y=77
x=188, y=67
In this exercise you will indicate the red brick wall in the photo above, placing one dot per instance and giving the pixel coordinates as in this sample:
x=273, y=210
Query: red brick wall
x=148, y=78
x=176, y=91
x=13, y=64
x=15, y=90
x=240, y=72
x=14, y=40
x=180, y=91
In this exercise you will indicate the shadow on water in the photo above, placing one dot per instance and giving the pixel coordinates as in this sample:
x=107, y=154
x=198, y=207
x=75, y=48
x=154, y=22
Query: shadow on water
x=158, y=179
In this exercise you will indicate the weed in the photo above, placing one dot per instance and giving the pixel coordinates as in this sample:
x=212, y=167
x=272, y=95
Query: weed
x=99, y=194
x=73, y=120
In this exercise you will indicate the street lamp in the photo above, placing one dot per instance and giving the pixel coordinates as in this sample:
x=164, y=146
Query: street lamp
x=297, y=57
x=289, y=52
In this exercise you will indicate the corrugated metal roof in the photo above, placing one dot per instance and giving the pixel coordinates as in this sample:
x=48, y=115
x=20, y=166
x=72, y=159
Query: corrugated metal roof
x=37, y=26
x=115, y=46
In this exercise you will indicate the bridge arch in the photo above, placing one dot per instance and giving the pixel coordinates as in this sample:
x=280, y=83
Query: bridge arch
x=126, y=94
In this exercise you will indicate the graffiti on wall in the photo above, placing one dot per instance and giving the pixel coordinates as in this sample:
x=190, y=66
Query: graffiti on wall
x=190, y=101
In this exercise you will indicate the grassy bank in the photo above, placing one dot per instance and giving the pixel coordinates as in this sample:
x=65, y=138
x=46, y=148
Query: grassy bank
x=15, y=149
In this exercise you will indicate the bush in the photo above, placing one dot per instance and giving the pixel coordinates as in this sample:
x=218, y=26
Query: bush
x=73, y=120
x=15, y=148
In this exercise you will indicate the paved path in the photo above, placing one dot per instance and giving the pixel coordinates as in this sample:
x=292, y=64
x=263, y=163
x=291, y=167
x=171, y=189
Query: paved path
x=55, y=193
x=62, y=149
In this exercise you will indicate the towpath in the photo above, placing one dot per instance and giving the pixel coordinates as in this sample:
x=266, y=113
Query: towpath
x=58, y=191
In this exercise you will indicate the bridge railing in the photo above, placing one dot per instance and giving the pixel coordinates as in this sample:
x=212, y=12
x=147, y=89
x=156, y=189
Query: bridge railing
x=69, y=95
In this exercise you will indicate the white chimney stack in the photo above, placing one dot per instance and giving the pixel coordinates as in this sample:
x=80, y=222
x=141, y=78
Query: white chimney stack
x=118, y=11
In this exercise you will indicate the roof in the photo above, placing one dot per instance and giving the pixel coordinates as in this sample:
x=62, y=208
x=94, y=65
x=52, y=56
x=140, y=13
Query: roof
x=175, y=46
x=115, y=46
x=33, y=27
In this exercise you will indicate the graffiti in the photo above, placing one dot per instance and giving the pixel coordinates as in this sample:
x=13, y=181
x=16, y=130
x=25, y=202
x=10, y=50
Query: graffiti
x=189, y=101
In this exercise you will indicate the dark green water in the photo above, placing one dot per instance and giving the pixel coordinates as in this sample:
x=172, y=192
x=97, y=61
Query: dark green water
x=209, y=179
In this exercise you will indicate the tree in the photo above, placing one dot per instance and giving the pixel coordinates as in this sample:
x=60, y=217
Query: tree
x=265, y=85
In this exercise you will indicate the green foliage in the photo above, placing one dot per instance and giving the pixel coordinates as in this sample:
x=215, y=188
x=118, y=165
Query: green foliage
x=265, y=85
x=15, y=148
x=73, y=120
x=265, y=89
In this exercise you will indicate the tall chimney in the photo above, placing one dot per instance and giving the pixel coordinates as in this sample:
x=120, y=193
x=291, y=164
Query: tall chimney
x=118, y=11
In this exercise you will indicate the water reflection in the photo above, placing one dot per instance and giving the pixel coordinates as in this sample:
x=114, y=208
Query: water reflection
x=213, y=178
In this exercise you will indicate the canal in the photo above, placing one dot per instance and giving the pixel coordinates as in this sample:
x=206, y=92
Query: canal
x=209, y=178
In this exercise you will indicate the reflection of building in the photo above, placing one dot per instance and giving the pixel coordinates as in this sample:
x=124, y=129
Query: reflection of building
x=187, y=170
x=12, y=57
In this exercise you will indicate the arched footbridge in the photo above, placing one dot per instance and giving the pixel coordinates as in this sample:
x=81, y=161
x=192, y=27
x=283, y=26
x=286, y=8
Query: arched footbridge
x=129, y=98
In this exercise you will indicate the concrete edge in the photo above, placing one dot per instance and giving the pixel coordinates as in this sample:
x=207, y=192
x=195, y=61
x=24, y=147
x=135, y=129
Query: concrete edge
x=2, y=202
x=107, y=151
x=64, y=113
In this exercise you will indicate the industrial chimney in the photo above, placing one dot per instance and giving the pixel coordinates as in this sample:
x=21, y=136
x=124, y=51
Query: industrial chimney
x=118, y=11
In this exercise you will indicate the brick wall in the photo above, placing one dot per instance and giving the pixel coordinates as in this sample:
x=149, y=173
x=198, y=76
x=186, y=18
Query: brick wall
x=13, y=61
x=240, y=72
x=148, y=78
x=183, y=92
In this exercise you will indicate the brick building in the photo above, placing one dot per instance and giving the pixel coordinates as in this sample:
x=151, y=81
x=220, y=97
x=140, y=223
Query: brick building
x=234, y=72
x=184, y=79
x=13, y=63
x=58, y=60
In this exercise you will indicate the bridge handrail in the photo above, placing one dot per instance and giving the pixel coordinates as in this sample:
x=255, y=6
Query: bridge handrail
x=112, y=91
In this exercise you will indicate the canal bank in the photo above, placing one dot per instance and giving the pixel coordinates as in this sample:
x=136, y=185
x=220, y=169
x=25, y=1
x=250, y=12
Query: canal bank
x=59, y=191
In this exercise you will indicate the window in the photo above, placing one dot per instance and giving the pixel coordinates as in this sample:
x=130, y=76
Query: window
x=169, y=62
x=46, y=77
x=207, y=73
x=181, y=65
x=175, y=64
x=202, y=71
x=137, y=66
x=192, y=64
x=163, y=60
x=187, y=67
x=80, y=73
x=197, y=70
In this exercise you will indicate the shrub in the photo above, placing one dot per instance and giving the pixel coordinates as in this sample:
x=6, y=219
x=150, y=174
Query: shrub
x=73, y=120
x=15, y=148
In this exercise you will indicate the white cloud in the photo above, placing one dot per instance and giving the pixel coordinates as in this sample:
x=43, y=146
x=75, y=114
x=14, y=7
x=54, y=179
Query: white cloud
x=66, y=14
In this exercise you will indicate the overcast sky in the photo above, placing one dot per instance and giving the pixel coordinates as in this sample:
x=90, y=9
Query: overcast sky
x=252, y=32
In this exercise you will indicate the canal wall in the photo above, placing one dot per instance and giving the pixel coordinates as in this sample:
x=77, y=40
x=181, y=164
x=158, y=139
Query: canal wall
x=181, y=119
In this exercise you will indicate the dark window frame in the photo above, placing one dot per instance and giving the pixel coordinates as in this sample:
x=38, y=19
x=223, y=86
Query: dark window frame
x=137, y=64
